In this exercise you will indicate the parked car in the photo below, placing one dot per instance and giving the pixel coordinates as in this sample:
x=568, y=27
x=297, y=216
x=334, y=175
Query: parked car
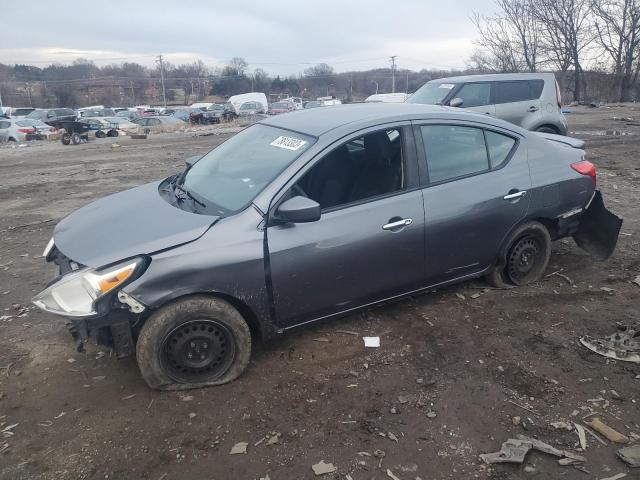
x=312, y=104
x=42, y=128
x=307, y=216
x=387, y=97
x=276, y=108
x=160, y=123
x=17, y=130
x=250, y=108
x=100, y=112
x=258, y=99
x=53, y=115
x=206, y=115
x=182, y=113
x=530, y=100
x=124, y=125
x=20, y=112
x=128, y=114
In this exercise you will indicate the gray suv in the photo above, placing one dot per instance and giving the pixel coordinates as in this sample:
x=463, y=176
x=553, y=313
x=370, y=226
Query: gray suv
x=530, y=100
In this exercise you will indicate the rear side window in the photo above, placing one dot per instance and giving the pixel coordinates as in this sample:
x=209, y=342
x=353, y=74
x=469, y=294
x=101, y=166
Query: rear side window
x=499, y=147
x=454, y=151
x=474, y=94
x=517, y=90
x=4, y=125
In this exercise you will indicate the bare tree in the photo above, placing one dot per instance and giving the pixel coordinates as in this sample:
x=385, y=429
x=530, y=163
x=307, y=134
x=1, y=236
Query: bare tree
x=566, y=31
x=510, y=37
x=617, y=24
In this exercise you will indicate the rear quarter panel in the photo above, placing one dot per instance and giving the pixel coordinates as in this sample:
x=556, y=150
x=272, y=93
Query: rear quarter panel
x=555, y=187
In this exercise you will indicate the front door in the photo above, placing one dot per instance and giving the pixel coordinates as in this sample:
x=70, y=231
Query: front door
x=476, y=193
x=369, y=242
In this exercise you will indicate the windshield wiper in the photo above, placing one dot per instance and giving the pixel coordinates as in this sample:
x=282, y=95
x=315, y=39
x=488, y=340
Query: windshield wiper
x=178, y=186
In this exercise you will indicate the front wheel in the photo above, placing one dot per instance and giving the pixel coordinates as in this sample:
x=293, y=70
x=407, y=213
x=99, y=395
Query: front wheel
x=527, y=257
x=191, y=343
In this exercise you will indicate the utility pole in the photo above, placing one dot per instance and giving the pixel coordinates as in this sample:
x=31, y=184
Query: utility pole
x=133, y=95
x=164, y=95
x=393, y=73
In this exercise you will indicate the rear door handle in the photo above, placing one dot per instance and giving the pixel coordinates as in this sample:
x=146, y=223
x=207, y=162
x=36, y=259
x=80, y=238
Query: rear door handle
x=533, y=109
x=398, y=224
x=514, y=195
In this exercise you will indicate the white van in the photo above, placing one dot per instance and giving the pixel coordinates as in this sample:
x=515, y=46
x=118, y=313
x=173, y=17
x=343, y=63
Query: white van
x=387, y=97
x=235, y=102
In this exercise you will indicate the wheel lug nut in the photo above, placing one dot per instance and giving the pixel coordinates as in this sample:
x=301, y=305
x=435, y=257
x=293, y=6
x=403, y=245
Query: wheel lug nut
x=193, y=345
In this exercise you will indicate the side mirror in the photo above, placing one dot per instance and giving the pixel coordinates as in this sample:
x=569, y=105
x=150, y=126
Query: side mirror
x=299, y=210
x=191, y=160
x=456, y=102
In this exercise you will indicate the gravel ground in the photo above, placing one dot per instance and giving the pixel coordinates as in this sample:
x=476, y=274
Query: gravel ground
x=453, y=371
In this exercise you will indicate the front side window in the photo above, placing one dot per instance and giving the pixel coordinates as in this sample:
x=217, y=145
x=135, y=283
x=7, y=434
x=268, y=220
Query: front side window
x=231, y=175
x=363, y=168
x=453, y=151
x=474, y=94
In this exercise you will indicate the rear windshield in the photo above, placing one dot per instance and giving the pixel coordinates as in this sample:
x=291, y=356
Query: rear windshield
x=22, y=111
x=231, y=175
x=64, y=112
x=280, y=105
x=431, y=93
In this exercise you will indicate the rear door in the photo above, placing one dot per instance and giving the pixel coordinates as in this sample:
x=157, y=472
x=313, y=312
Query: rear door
x=476, y=96
x=518, y=101
x=476, y=183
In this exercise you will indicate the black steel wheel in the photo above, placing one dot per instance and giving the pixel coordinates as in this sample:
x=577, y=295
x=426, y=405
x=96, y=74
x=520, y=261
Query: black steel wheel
x=193, y=342
x=197, y=351
x=100, y=134
x=528, y=257
x=525, y=257
x=66, y=138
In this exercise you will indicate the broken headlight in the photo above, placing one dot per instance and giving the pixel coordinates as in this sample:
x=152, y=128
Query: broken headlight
x=76, y=294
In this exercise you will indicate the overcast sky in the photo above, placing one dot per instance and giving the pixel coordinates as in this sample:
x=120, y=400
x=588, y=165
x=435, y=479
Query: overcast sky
x=280, y=36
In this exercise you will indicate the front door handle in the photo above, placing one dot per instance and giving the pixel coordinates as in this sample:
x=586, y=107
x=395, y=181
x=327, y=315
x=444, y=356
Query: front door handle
x=404, y=222
x=533, y=108
x=515, y=195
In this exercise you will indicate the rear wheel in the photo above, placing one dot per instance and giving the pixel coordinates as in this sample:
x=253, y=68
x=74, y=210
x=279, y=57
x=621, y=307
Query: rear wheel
x=66, y=138
x=112, y=133
x=196, y=342
x=526, y=259
x=547, y=129
x=100, y=134
x=76, y=138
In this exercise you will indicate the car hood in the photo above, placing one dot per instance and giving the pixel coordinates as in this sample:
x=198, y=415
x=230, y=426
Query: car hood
x=126, y=224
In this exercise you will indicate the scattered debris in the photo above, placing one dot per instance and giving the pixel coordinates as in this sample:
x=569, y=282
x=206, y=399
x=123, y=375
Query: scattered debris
x=6, y=431
x=129, y=397
x=596, y=437
x=192, y=415
x=524, y=408
x=186, y=398
x=515, y=450
x=239, y=448
x=637, y=280
x=517, y=420
x=371, y=342
x=391, y=475
x=115, y=145
x=630, y=455
x=561, y=275
x=562, y=426
x=607, y=289
x=460, y=296
x=432, y=415
x=611, y=434
x=322, y=468
x=623, y=345
x=274, y=439
x=321, y=339
x=616, y=477
x=582, y=437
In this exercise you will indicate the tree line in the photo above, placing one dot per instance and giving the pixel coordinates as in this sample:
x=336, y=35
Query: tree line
x=569, y=37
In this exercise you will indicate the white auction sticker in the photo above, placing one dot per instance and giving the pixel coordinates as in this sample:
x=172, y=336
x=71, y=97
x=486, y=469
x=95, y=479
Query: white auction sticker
x=289, y=143
x=448, y=86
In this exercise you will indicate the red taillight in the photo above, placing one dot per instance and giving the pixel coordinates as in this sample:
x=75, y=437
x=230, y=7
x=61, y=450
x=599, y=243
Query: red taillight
x=558, y=95
x=26, y=130
x=585, y=167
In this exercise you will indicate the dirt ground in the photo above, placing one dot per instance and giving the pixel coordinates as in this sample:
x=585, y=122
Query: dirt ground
x=451, y=372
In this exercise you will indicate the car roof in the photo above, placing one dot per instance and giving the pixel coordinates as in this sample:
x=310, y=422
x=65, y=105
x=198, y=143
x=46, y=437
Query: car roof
x=494, y=77
x=318, y=121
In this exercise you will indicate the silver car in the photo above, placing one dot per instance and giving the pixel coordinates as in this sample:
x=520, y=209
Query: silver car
x=17, y=130
x=530, y=100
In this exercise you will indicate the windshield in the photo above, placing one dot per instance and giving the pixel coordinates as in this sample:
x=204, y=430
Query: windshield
x=246, y=106
x=431, y=93
x=231, y=175
x=216, y=107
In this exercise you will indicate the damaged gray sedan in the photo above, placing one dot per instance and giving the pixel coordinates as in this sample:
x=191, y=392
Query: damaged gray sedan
x=311, y=215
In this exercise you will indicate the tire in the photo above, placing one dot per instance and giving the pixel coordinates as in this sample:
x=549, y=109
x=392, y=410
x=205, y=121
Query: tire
x=76, y=138
x=100, y=134
x=526, y=259
x=112, y=133
x=12, y=140
x=547, y=129
x=66, y=138
x=162, y=349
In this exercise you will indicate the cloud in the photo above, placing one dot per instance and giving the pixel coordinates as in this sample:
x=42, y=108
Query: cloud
x=281, y=36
